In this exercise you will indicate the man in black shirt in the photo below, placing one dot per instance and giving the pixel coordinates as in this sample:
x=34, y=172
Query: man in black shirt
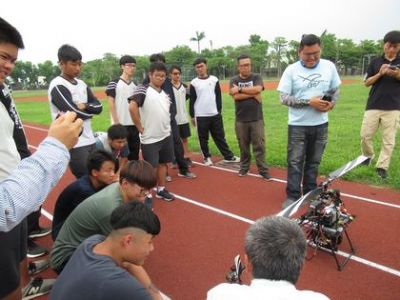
x=383, y=106
x=246, y=90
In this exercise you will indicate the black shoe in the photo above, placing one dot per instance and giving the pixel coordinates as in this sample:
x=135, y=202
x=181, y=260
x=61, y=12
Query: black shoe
x=233, y=159
x=266, y=176
x=382, y=173
x=37, y=266
x=187, y=174
x=35, y=250
x=164, y=194
x=39, y=232
x=242, y=173
x=367, y=162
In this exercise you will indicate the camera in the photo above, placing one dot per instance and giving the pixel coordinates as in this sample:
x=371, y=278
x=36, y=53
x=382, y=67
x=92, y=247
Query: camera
x=394, y=67
x=236, y=270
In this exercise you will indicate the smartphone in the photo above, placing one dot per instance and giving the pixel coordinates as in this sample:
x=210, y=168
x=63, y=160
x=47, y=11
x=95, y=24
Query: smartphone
x=326, y=98
x=394, y=67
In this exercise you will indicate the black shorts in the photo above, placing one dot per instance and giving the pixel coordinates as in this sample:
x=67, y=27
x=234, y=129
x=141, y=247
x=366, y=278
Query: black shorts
x=161, y=152
x=184, y=130
x=13, y=247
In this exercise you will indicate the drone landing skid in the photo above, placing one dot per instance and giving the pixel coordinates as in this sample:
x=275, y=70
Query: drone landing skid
x=333, y=250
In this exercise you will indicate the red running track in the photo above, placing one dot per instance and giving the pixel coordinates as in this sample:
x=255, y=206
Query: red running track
x=203, y=229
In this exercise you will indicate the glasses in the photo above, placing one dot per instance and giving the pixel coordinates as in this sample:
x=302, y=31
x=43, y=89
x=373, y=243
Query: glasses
x=130, y=65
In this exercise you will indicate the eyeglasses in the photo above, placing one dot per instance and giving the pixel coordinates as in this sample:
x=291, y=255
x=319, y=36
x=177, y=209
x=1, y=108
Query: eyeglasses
x=7, y=59
x=130, y=65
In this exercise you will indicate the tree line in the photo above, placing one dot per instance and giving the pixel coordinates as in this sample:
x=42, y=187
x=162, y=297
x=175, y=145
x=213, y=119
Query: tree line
x=269, y=58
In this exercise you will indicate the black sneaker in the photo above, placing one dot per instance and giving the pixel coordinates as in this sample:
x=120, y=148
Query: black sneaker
x=367, y=162
x=37, y=266
x=266, y=176
x=382, y=173
x=39, y=232
x=233, y=159
x=37, y=287
x=242, y=173
x=187, y=174
x=164, y=194
x=35, y=250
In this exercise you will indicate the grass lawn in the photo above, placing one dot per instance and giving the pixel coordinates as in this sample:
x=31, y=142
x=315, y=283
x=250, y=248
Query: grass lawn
x=343, y=143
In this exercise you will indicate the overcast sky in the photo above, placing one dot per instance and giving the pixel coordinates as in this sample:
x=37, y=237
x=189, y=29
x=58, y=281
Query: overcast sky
x=143, y=27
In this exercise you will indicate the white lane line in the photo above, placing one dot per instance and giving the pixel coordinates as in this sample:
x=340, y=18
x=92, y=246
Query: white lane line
x=284, y=181
x=36, y=128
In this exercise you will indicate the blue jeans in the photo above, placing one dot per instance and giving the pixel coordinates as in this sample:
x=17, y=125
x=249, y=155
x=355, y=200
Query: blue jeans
x=306, y=144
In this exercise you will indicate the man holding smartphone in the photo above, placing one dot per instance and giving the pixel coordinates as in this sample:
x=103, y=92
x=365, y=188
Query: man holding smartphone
x=383, y=106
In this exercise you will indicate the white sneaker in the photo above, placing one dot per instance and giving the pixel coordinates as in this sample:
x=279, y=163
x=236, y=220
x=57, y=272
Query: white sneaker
x=208, y=162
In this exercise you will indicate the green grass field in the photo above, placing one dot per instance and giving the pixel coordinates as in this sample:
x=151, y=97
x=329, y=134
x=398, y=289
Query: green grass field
x=343, y=144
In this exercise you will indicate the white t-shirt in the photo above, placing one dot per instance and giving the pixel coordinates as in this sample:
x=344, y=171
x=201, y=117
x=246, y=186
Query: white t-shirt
x=120, y=90
x=79, y=95
x=205, y=105
x=262, y=289
x=306, y=83
x=180, y=100
x=154, y=109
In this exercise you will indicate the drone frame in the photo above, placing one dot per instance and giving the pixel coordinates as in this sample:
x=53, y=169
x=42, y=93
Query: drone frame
x=323, y=187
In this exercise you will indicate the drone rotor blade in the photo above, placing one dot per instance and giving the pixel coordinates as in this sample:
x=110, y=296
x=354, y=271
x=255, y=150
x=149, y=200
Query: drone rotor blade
x=294, y=207
x=345, y=168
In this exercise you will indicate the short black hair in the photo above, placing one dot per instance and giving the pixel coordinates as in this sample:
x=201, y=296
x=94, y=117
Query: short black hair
x=96, y=159
x=135, y=214
x=116, y=132
x=392, y=37
x=68, y=53
x=242, y=56
x=140, y=172
x=157, y=57
x=309, y=40
x=9, y=34
x=174, y=67
x=127, y=59
x=199, y=60
x=157, y=66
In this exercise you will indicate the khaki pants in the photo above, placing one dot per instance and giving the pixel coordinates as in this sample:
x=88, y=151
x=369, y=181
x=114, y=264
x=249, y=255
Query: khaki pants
x=388, y=121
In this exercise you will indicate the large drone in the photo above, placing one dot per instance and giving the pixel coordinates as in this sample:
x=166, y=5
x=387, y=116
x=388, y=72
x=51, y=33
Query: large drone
x=326, y=219
x=324, y=222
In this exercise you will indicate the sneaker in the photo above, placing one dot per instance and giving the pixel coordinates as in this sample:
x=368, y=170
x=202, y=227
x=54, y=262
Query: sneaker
x=189, y=162
x=39, y=232
x=233, y=159
x=242, y=173
x=266, y=176
x=208, y=162
x=168, y=178
x=37, y=287
x=35, y=250
x=187, y=174
x=37, y=266
x=382, y=173
x=164, y=194
x=367, y=162
x=287, y=202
